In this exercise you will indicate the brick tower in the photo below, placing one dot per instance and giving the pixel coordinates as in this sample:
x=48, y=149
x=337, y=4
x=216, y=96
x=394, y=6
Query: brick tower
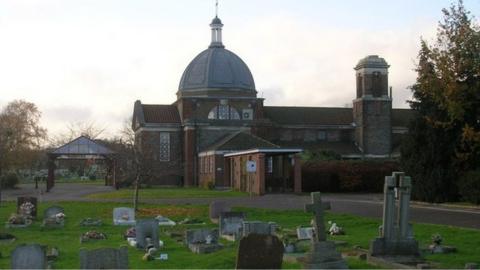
x=372, y=109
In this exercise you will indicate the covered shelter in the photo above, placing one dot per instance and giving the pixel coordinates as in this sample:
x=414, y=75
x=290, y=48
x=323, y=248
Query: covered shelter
x=82, y=148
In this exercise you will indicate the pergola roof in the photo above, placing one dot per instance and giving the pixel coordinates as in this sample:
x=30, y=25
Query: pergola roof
x=82, y=146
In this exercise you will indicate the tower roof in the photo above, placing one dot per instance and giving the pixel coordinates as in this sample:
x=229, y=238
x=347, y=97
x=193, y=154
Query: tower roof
x=372, y=61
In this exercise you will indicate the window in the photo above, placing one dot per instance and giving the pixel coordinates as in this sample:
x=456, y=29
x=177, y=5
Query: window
x=270, y=164
x=224, y=112
x=322, y=135
x=211, y=164
x=164, y=146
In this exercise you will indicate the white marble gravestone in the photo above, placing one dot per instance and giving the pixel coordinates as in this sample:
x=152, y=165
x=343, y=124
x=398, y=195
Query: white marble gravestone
x=124, y=216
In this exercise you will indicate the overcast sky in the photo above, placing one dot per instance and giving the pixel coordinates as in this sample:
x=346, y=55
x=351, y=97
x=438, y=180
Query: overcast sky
x=89, y=60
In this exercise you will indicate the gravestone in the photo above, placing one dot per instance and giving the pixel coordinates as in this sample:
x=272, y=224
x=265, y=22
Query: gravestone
x=27, y=206
x=216, y=208
x=396, y=235
x=304, y=233
x=258, y=227
x=124, y=216
x=231, y=224
x=104, y=258
x=322, y=254
x=29, y=257
x=260, y=251
x=147, y=228
x=53, y=217
x=202, y=240
x=53, y=211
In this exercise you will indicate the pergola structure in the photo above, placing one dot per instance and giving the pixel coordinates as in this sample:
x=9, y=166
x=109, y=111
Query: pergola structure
x=82, y=148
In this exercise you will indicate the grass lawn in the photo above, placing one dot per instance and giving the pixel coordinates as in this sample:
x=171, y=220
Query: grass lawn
x=167, y=193
x=359, y=232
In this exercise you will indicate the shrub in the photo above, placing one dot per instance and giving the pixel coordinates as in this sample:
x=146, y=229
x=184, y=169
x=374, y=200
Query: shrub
x=9, y=180
x=469, y=186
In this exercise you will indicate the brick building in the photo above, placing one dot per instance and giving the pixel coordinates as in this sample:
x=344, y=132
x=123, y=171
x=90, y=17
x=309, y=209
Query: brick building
x=218, y=124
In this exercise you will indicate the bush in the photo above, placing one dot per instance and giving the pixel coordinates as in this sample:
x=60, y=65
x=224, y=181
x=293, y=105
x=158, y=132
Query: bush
x=346, y=175
x=469, y=187
x=9, y=180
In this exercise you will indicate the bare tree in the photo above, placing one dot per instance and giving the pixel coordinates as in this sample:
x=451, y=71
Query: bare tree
x=74, y=130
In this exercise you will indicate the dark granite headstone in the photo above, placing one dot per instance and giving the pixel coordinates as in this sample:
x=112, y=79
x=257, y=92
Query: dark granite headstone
x=23, y=209
x=29, y=257
x=147, y=228
x=259, y=251
x=216, y=208
x=104, y=258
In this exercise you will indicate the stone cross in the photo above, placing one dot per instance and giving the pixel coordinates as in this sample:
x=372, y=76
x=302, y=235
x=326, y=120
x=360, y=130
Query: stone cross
x=316, y=208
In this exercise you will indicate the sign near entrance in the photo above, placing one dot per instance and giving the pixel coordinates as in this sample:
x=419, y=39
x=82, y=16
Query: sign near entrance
x=251, y=166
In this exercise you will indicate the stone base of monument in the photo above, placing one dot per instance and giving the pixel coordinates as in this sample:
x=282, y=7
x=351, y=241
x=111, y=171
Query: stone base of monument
x=383, y=247
x=204, y=248
x=323, y=255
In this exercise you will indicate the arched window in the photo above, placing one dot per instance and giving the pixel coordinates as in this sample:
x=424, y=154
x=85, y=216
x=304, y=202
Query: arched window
x=224, y=112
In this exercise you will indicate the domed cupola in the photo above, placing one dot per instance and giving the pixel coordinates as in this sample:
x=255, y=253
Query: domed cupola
x=217, y=71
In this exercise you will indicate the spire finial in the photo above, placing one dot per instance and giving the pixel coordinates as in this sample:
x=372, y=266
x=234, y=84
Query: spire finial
x=216, y=26
x=216, y=8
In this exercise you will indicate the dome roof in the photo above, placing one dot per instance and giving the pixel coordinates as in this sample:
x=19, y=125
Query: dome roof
x=372, y=61
x=217, y=67
x=216, y=20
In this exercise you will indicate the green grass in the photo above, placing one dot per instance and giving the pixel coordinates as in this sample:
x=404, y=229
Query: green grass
x=359, y=232
x=168, y=193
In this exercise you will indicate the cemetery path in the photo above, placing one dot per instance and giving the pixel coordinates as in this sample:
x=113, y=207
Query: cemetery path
x=367, y=205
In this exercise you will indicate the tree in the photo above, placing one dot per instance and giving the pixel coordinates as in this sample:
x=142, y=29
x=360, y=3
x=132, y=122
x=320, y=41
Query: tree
x=76, y=129
x=444, y=138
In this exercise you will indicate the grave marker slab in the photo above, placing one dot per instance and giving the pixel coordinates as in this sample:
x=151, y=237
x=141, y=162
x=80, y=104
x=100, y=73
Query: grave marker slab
x=147, y=228
x=104, y=258
x=29, y=257
x=231, y=224
x=124, y=216
x=202, y=240
x=260, y=251
x=216, y=208
x=53, y=217
x=258, y=227
x=304, y=233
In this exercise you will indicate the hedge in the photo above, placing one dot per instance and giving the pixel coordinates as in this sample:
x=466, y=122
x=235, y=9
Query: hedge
x=346, y=175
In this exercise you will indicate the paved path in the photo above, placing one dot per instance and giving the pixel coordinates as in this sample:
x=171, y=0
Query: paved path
x=368, y=205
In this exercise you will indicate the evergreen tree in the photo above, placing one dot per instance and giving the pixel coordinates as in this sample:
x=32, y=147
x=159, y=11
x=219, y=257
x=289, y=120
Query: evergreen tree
x=444, y=138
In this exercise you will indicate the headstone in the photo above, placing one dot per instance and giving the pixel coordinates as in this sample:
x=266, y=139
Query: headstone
x=323, y=254
x=258, y=227
x=53, y=211
x=124, y=216
x=202, y=240
x=304, y=233
x=53, y=217
x=164, y=221
x=29, y=257
x=147, y=229
x=90, y=222
x=231, y=224
x=216, y=208
x=104, y=258
x=260, y=251
x=396, y=234
x=27, y=206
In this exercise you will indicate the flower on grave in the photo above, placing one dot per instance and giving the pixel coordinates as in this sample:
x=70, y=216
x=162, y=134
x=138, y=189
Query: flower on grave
x=125, y=216
x=15, y=219
x=208, y=239
x=130, y=232
x=437, y=239
x=27, y=208
x=94, y=235
x=59, y=217
x=335, y=229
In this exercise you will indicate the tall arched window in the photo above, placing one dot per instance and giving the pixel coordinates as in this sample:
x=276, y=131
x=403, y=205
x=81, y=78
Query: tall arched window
x=224, y=112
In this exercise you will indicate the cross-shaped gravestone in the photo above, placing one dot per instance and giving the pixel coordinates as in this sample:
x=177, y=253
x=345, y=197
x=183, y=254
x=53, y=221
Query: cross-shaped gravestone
x=316, y=208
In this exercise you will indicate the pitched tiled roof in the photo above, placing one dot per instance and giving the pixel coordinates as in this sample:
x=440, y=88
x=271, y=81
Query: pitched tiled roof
x=342, y=148
x=401, y=117
x=160, y=114
x=241, y=141
x=309, y=115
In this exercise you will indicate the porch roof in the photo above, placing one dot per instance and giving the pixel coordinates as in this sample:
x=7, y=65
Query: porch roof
x=265, y=151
